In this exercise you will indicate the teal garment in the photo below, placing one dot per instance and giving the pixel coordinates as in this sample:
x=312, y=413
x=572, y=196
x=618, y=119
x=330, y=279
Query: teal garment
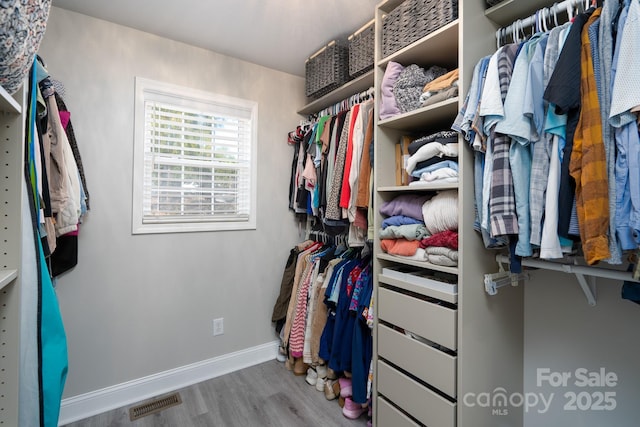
x=53, y=344
x=52, y=341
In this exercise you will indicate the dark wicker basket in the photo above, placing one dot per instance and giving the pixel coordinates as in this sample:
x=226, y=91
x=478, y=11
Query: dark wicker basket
x=361, y=46
x=493, y=2
x=414, y=19
x=327, y=70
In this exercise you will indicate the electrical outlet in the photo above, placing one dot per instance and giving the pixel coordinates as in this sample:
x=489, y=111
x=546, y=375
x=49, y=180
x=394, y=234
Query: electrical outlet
x=218, y=326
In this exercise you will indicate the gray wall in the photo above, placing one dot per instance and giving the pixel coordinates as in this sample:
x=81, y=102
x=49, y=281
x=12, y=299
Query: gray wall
x=563, y=333
x=139, y=305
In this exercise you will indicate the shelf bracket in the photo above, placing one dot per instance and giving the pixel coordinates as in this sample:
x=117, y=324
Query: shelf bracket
x=588, y=285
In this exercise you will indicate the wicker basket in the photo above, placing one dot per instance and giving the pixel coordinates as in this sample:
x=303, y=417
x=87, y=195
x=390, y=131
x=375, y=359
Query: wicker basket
x=327, y=69
x=414, y=19
x=361, y=46
x=493, y=2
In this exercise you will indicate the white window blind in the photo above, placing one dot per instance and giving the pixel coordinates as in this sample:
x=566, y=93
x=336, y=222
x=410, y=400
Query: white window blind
x=197, y=162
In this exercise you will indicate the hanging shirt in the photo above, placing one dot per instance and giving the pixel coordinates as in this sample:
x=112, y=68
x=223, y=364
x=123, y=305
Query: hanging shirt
x=541, y=152
x=502, y=199
x=588, y=165
x=518, y=125
x=626, y=132
x=491, y=109
x=611, y=10
x=345, y=192
x=563, y=91
x=333, y=200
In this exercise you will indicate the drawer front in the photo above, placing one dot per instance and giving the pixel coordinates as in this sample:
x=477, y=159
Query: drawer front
x=389, y=416
x=423, y=404
x=431, y=321
x=432, y=366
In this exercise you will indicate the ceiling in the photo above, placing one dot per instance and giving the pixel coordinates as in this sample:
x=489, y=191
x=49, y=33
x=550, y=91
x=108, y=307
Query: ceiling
x=278, y=34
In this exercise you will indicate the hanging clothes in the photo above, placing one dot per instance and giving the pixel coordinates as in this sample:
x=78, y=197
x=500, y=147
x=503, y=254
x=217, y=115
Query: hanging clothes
x=570, y=150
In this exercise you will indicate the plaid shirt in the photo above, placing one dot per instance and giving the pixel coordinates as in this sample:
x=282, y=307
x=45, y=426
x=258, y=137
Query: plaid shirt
x=588, y=162
x=502, y=202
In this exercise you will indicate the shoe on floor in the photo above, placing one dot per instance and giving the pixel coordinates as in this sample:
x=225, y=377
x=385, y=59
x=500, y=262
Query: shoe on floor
x=345, y=387
x=341, y=401
x=331, y=374
x=299, y=367
x=322, y=371
x=352, y=410
x=281, y=356
x=320, y=384
x=331, y=389
x=312, y=376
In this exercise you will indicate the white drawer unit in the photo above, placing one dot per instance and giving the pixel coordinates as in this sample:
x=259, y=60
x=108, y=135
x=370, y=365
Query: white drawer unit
x=427, y=363
x=425, y=405
x=427, y=319
x=389, y=415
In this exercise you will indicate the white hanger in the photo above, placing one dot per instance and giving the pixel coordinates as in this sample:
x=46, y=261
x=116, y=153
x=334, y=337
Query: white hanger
x=570, y=10
x=554, y=8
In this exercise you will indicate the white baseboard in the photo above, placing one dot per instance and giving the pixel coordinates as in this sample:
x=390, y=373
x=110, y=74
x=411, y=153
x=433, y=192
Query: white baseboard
x=99, y=401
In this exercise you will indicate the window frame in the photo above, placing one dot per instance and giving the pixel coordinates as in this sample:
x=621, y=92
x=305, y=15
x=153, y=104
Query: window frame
x=206, y=102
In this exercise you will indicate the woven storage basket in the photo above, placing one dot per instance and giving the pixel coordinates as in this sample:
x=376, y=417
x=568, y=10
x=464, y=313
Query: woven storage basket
x=327, y=70
x=361, y=46
x=493, y=2
x=414, y=19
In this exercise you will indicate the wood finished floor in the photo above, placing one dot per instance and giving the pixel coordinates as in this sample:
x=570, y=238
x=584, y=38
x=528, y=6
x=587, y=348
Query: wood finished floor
x=262, y=395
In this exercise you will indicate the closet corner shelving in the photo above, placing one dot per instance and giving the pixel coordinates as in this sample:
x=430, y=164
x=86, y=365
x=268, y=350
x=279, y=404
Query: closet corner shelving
x=11, y=157
x=359, y=84
x=421, y=375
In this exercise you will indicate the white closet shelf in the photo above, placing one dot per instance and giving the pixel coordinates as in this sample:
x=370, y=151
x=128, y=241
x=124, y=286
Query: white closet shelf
x=584, y=274
x=507, y=11
x=433, y=49
x=421, y=264
x=7, y=103
x=440, y=113
x=359, y=84
x=421, y=187
x=6, y=277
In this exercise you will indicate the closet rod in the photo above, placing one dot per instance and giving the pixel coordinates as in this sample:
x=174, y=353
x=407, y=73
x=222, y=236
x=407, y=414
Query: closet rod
x=533, y=19
x=580, y=271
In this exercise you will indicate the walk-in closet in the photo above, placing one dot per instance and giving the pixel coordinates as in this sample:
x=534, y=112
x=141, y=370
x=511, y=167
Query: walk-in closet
x=366, y=213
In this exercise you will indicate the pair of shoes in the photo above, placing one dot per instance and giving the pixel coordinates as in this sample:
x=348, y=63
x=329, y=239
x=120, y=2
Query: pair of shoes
x=345, y=387
x=312, y=376
x=331, y=389
x=352, y=410
x=299, y=367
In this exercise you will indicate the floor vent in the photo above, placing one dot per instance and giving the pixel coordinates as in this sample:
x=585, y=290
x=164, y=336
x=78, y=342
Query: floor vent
x=153, y=406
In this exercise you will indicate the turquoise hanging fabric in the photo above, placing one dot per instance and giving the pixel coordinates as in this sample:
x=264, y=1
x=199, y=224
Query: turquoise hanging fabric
x=52, y=341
